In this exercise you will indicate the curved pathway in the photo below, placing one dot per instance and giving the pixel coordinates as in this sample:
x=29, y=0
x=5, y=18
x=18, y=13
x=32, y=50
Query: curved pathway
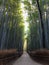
x=25, y=60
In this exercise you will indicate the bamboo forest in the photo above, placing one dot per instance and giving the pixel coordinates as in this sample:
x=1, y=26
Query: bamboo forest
x=24, y=32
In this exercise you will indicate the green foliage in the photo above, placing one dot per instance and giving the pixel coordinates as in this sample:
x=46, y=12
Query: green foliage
x=13, y=21
x=33, y=19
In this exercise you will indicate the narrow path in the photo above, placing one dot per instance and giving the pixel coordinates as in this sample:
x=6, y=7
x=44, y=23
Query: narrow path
x=25, y=60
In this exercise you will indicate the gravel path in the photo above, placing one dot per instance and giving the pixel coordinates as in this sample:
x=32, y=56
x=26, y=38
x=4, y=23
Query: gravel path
x=25, y=60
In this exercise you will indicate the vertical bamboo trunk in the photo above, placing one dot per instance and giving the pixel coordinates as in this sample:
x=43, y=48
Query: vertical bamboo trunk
x=42, y=24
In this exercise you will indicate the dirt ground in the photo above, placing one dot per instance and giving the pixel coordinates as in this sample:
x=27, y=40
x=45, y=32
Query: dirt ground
x=40, y=56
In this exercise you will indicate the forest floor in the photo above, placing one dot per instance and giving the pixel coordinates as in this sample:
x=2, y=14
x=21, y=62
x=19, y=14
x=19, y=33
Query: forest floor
x=25, y=60
x=10, y=57
x=41, y=56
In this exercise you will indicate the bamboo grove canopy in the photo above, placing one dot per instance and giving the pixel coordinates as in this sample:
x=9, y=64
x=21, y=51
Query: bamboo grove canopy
x=12, y=24
x=38, y=36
